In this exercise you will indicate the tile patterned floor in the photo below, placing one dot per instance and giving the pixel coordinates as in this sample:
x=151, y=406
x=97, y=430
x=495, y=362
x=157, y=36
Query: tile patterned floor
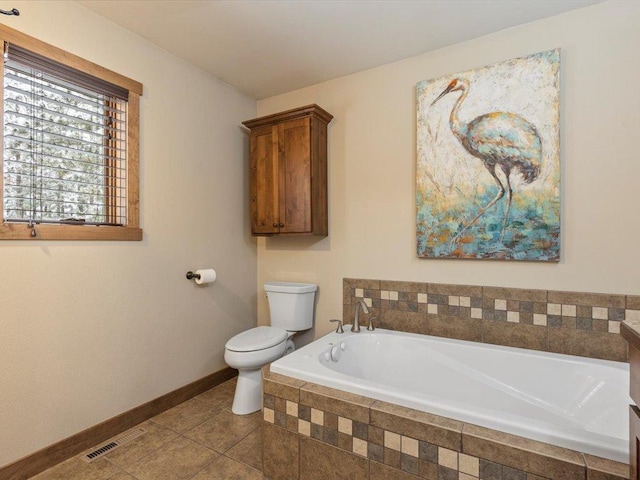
x=199, y=439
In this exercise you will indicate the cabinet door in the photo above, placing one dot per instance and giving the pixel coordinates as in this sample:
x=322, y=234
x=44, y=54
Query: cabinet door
x=294, y=163
x=264, y=181
x=634, y=441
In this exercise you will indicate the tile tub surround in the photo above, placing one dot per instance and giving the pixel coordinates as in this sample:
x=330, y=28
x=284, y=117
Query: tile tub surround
x=574, y=323
x=311, y=431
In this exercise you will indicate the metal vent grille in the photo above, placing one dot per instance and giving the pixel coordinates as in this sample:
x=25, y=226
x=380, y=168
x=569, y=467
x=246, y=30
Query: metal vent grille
x=110, y=445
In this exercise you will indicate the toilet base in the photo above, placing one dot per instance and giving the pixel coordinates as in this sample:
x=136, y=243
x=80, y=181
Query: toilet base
x=248, y=396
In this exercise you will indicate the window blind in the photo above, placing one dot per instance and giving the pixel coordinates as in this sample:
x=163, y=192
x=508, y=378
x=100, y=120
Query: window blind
x=64, y=144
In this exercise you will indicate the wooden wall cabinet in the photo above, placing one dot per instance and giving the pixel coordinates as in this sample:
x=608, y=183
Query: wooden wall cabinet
x=288, y=172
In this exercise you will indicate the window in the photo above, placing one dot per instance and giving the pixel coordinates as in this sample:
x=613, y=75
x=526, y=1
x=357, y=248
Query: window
x=70, y=146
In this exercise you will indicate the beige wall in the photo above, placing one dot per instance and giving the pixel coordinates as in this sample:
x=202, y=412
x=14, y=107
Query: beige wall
x=372, y=167
x=89, y=330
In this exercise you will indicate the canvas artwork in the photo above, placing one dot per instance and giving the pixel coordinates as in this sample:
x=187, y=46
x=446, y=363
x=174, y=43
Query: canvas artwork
x=488, y=162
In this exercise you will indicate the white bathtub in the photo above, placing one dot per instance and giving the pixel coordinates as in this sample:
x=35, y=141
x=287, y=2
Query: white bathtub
x=573, y=402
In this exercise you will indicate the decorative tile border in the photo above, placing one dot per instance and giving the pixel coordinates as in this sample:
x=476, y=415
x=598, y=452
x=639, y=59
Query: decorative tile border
x=586, y=324
x=393, y=449
x=417, y=443
x=501, y=309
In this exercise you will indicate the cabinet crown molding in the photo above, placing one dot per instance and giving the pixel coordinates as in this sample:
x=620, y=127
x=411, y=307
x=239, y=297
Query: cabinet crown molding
x=306, y=111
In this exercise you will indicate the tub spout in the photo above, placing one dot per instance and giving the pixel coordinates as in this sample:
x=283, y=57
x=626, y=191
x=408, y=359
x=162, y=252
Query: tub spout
x=356, y=321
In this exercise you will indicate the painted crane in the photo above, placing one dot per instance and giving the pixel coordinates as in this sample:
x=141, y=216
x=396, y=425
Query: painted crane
x=499, y=139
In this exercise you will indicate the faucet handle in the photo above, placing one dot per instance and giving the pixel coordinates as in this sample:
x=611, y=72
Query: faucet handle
x=371, y=327
x=339, y=329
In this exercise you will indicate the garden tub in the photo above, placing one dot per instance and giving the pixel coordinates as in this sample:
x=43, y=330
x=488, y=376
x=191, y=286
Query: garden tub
x=572, y=402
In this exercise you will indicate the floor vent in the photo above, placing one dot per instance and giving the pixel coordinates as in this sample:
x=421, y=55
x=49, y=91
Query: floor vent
x=110, y=445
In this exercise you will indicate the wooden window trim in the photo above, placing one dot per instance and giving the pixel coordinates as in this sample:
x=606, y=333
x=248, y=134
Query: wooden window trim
x=132, y=230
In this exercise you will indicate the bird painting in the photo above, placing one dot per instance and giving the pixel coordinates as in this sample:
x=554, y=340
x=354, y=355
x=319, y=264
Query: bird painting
x=501, y=140
x=488, y=162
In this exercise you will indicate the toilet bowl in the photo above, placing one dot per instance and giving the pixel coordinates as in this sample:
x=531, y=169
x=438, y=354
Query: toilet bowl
x=248, y=352
x=291, y=307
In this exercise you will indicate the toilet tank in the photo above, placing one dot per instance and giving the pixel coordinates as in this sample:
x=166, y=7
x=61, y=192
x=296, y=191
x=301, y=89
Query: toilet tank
x=291, y=305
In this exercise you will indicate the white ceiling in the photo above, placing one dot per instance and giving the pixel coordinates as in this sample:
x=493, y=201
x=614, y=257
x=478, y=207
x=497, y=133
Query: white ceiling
x=267, y=47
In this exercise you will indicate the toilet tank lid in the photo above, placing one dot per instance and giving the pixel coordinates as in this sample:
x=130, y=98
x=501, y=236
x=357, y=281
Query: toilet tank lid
x=287, y=287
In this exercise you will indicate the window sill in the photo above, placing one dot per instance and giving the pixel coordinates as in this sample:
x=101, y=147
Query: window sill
x=21, y=231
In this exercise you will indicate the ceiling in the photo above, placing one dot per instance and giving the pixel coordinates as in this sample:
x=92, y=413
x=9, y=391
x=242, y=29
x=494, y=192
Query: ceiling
x=268, y=47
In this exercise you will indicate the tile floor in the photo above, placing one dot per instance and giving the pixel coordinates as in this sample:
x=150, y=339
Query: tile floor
x=199, y=439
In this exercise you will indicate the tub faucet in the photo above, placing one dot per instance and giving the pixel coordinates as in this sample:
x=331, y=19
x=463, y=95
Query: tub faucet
x=356, y=321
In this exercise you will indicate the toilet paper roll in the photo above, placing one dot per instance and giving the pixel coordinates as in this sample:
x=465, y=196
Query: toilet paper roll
x=207, y=275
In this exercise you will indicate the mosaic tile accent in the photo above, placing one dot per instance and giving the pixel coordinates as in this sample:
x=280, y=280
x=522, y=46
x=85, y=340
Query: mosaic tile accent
x=409, y=446
x=269, y=415
x=392, y=440
x=345, y=425
x=448, y=458
x=468, y=312
x=360, y=447
x=632, y=314
x=469, y=465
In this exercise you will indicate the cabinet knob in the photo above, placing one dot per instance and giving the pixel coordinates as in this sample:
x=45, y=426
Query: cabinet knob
x=275, y=224
x=281, y=225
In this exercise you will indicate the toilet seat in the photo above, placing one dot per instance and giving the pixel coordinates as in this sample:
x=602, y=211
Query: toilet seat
x=258, y=338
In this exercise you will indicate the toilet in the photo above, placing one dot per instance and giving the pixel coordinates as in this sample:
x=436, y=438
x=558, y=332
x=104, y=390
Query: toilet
x=291, y=307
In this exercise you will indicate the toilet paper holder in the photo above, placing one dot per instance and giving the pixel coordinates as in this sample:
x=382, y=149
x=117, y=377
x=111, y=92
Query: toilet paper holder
x=191, y=275
x=202, y=276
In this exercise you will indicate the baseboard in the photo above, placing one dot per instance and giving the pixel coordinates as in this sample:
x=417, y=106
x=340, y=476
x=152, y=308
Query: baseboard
x=58, y=452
